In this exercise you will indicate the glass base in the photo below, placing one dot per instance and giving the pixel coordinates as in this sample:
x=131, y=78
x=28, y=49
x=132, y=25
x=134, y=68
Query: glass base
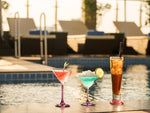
x=116, y=102
x=63, y=105
x=87, y=104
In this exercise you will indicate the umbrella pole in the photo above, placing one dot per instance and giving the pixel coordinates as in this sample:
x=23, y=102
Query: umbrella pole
x=55, y=15
x=27, y=8
x=1, y=25
x=125, y=26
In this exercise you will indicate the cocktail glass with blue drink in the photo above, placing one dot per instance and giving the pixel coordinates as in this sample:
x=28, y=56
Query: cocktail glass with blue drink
x=88, y=78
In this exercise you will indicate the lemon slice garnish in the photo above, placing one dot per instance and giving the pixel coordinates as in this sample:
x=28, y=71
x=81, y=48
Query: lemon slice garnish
x=99, y=72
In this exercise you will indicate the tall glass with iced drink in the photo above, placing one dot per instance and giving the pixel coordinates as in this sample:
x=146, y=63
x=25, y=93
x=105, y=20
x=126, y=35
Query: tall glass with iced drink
x=116, y=68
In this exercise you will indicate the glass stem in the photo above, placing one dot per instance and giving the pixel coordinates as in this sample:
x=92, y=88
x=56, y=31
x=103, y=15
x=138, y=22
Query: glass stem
x=62, y=94
x=87, y=101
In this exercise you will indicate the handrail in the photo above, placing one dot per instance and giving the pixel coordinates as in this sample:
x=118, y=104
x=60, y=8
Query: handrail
x=43, y=44
x=17, y=36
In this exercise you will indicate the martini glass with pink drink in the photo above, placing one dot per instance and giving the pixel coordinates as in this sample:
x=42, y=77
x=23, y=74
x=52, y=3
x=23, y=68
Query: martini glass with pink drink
x=62, y=75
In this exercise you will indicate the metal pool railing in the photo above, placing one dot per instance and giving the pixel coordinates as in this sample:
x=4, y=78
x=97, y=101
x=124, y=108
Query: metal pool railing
x=17, y=36
x=43, y=42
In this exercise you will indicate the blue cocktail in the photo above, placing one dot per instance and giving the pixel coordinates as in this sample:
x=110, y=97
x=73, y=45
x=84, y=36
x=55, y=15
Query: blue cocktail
x=87, y=78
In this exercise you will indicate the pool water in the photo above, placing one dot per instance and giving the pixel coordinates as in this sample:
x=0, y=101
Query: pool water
x=135, y=86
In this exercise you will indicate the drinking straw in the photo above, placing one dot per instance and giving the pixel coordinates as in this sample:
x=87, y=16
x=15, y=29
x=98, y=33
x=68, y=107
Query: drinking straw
x=120, y=49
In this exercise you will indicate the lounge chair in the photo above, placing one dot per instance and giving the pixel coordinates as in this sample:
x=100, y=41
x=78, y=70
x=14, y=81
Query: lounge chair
x=107, y=44
x=76, y=33
x=30, y=43
x=80, y=42
x=134, y=36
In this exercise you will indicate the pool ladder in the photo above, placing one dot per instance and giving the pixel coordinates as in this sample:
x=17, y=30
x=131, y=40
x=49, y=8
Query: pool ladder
x=17, y=39
x=43, y=42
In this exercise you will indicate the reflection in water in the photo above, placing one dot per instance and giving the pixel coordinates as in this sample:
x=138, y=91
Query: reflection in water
x=135, y=82
x=87, y=109
x=116, y=107
x=62, y=110
x=135, y=86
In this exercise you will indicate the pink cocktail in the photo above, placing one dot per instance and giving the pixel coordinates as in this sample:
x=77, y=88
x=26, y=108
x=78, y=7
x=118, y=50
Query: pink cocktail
x=62, y=76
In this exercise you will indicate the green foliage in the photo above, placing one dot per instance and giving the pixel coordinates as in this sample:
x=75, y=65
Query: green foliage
x=90, y=8
x=5, y=5
x=90, y=13
x=102, y=9
x=147, y=7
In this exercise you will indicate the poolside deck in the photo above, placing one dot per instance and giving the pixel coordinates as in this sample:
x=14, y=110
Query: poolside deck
x=101, y=106
x=11, y=64
x=27, y=64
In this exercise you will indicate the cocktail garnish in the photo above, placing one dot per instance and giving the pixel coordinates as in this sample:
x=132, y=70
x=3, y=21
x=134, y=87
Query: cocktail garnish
x=99, y=72
x=66, y=64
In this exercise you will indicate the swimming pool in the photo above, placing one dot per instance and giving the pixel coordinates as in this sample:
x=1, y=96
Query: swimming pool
x=135, y=84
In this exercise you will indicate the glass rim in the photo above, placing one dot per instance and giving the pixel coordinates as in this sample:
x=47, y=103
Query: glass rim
x=116, y=57
x=61, y=69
